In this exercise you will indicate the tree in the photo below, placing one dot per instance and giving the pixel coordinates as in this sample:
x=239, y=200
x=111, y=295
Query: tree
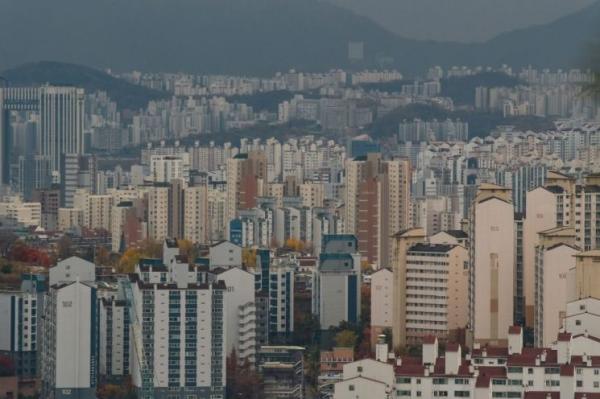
x=7, y=239
x=249, y=257
x=365, y=266
x=345, y=339
x=243, y=382
x=64, y=247
x=24, y=253
x=306, y=326
x=113, y=391
x=364, y=347
x=151, y=248
x=294, y=244
x=188, y=250
x=103, y=256
x=146, y=249
x=128, y=260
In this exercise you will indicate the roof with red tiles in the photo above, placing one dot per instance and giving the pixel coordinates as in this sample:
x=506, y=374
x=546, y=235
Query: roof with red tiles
x=486, y=373
x=490, y=351
x=567, y=370
x=564, y=336
x=514, y=330
x=429, y=339
x=452, y=347
x=529, y=357
x=541, y=395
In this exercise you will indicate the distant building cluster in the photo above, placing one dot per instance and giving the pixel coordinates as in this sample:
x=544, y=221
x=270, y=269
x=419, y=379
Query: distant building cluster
x=427, y=264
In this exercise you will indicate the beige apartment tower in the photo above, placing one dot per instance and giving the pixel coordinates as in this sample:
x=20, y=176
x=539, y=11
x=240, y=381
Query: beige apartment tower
x=492, y=265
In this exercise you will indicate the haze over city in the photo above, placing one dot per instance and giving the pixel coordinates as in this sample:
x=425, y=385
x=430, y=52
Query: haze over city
x=299, y=199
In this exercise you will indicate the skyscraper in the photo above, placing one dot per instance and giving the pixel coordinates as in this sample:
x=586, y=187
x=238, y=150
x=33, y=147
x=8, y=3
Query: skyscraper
x=59, y=127
x=61, y=123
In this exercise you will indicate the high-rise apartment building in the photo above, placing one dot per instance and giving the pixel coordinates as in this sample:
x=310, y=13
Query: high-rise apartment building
x=583, y=306
x=336, y=283
x=554, y=258
x=437, y=278
x=246, y=180
x=165, y=168
x=97, y=209
x=114, y=339
x=69, y=332
x=403, y=241
x=377, y=204
x=561, y=202
x=239, y=313
x=22, y=310
x=492, y=264
x=177, y=318
x=195, y=214
x=78, y=172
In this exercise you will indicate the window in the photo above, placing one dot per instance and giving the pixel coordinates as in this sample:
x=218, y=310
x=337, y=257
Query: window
x=351, y=387
x=359, y=369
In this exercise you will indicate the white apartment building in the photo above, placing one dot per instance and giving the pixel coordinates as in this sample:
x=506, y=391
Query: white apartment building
x=336, y=283
x=239, y=313
x=178, y=329
x=562, y=202
x=165, y=168
x=583, y=295
x=20, y=333
x=72, y=269
x=69, y=332
x=554, y=257
x=381, y=301
x=281, y=296
x=225, y=254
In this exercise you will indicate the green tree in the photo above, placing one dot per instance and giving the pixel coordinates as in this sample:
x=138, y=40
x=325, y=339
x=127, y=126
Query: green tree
x=243, y=382
x=345, y=339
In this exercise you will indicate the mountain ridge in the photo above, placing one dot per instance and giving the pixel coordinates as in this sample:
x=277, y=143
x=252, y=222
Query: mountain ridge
x=257, y=37
x=125, y=94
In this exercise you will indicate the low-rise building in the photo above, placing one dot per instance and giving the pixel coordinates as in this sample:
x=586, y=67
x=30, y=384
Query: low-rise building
x=282, y=371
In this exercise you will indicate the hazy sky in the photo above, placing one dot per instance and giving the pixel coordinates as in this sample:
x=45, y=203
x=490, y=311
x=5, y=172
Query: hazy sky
x=461, y=20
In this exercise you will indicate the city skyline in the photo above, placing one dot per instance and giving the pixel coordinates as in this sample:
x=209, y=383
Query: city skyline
x=284, y=199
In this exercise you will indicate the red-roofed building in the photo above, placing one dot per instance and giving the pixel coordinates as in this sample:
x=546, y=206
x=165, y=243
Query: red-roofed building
x=491, y=372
